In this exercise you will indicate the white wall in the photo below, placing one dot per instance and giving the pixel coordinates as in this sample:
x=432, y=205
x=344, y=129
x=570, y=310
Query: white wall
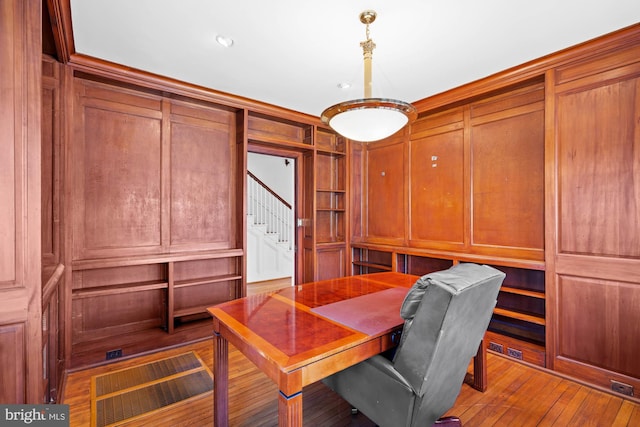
x=272, y=171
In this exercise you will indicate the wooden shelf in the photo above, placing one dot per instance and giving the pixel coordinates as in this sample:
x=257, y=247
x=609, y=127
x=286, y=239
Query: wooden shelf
x=205, y=280
x=520, y=316
x=155, y=259
x=326, y=151
x=277, y=141
x=372, y=265
x=99, y=291
x=524, y=292
x=190, y=311
x=459, y=256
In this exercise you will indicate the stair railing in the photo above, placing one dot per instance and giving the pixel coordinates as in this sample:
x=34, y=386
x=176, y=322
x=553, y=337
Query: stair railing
x=269, y=209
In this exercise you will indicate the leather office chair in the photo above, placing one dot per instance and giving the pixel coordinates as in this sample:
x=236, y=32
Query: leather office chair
x=446, y=315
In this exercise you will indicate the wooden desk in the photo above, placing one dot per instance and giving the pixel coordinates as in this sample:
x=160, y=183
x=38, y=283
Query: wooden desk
x=302, y=334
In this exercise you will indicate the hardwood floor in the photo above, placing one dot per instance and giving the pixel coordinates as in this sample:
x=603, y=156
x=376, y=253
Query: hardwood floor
x=518, y=395
x=268, y=285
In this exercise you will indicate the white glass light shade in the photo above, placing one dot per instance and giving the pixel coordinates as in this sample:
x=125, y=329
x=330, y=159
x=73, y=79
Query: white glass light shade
x=369, y=119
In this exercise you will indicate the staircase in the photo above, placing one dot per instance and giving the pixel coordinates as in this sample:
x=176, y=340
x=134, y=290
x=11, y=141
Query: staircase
x=269, y=233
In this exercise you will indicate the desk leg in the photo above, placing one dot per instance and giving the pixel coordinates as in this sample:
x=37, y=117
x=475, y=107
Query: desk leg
x=480, y=368
x=220, y=381
x=290, y=410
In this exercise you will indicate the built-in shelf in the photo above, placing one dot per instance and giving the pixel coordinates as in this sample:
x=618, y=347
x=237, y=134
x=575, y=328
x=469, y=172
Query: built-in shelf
x=99, y=291
x=520, y=312
x=190, y=311
x=520, y=316
x=372, y=265
x=330, y=205
x=524, y=292
x=206, y=280
x=171, y=286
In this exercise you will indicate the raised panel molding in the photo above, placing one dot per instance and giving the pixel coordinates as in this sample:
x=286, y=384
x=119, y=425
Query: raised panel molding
x=594, y=292
x=508, y=182
x=599, y=200
x=437, y=188
x=150, y=175
x=330, y=262
x=202, y=178
x=599, y=322
x=20, y=201
x=385, y=194
x=12, y=361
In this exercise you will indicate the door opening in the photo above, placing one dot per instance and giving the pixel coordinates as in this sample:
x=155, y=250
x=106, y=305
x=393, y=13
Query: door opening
x=271, y=228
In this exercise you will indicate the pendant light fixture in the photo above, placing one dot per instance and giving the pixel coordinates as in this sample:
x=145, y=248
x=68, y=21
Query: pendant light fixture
x=369, y=119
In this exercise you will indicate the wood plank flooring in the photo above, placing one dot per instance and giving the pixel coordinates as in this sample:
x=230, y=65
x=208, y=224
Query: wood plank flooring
x=518, y=395
x=268, y=285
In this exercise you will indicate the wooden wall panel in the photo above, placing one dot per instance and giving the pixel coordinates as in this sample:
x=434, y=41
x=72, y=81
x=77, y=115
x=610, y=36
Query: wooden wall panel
x=51, y=226
x=355, y=189
x=100, y=317
x=386, y=206
x=599, y=323
x=50, y=171
x=104, y=277
x=508, y=182
x=117, y=181
x=10, y=167
x=437, y=183
x=203, y=186
x=205, y=295
x=598, y=169
x=20, y=200
x=307, y=216
x=595, y=289
x=12, y=357
x=331, y=263
x=476, y=177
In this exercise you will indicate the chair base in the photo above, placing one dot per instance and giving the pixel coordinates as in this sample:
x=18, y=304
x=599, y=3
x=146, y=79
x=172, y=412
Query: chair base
x=448, y=422
x=442, y=422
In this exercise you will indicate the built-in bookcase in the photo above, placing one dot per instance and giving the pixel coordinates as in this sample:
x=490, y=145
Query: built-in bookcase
x=517, y=327
x=330, y=205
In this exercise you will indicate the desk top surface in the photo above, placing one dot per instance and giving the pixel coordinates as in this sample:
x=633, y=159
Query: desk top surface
x=303, y=323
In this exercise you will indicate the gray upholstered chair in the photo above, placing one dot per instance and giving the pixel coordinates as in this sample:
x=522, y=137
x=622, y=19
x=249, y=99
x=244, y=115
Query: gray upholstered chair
x=446, y=315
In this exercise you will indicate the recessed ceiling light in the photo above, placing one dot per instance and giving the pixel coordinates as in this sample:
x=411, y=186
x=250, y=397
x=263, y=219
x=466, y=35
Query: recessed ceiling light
x=224, y=41
x=344, y=85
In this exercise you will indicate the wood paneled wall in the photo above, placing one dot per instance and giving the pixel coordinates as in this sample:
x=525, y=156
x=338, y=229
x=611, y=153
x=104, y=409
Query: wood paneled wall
x=128, y=197
x=154, y=192
x=596, y=292
x=147, y=172
x=468, y=179
x=20, y=201
x=385, y=201
x=53, y=325
x=537, y=167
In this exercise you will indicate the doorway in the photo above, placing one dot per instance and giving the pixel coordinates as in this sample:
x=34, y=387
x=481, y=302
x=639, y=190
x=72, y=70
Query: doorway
x=273, y=186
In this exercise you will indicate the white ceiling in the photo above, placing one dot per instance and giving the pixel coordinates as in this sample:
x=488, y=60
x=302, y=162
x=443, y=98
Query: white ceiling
x=294, y=53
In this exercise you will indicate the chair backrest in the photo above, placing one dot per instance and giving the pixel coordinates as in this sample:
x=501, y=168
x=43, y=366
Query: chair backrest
x=438, y=343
